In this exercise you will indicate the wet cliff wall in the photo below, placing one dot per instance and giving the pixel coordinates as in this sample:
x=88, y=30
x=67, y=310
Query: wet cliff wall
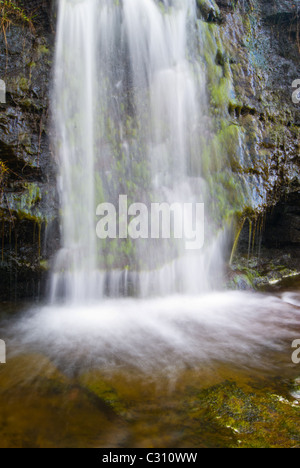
x=28, y=199
x=252, y=55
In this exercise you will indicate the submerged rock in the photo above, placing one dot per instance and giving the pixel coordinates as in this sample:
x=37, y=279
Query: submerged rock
x=96, y=383
x=46, y=409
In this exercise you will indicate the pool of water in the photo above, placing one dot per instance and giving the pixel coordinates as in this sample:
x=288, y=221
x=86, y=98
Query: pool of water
x=182, y=371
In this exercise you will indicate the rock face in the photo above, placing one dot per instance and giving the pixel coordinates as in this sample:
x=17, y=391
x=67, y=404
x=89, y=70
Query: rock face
x=264, y=83
x=259, y=51
x=28, y=200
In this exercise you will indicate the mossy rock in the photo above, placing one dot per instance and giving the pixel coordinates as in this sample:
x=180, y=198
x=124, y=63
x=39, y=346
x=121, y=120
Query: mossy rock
x=256, y=420
x=209, y=10
x=96, y=383
x=295, y=392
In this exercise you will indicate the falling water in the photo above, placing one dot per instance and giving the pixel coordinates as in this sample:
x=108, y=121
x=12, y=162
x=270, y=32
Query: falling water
x=75, y=138
x=129, y=108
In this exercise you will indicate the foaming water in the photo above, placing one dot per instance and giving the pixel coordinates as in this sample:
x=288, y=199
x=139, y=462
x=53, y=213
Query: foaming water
x=164, y=333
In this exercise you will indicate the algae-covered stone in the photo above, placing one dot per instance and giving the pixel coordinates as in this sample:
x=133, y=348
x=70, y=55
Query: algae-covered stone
x=209, y=10
x=95, y=382
x=33, y=370
x=255, y=419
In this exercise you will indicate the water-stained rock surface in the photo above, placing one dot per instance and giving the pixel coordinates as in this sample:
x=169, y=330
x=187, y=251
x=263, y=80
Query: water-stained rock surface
x=28, y=200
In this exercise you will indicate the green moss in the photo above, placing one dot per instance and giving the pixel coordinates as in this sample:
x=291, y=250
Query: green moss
x=3, y=175
x=34, y=194
x=219, y=75
x=221, y=168
x=209, y=10
x=230, y=141
x=241, y=282
x=24, y=84
x=42, y=50
x=227, y=198
x=260, y=420
x=25, y=204
x=96, y=384
x=11, y=13
x=44, y=264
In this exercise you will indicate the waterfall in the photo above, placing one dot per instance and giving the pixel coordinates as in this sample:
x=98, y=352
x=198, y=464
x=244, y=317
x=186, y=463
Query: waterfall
x=129, y=109
x=74, y=113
